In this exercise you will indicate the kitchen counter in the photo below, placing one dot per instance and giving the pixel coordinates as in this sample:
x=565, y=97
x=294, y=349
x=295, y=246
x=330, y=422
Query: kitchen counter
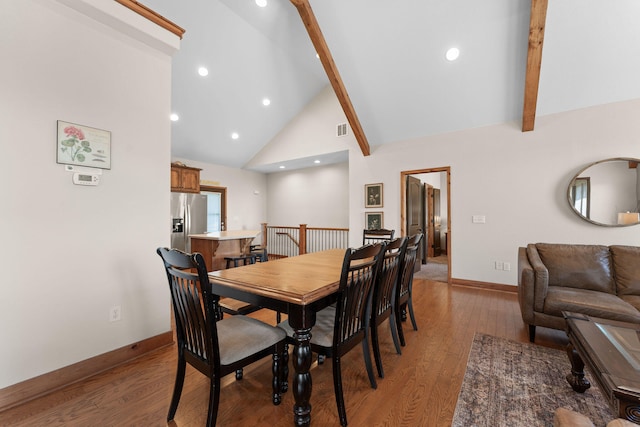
x=215, y=246
x=227, y=235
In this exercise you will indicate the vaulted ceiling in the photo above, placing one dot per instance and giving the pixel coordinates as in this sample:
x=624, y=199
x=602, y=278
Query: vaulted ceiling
x=390, y=58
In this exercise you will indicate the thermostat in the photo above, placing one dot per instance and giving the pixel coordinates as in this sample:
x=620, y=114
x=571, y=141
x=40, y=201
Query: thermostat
x=85, y=179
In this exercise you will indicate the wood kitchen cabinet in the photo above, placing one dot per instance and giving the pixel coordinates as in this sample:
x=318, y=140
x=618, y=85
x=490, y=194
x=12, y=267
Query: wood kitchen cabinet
x=185, y=179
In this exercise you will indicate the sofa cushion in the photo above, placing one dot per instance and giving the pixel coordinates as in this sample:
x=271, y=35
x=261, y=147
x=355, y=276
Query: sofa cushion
x=591, y=303
x=578, y=266
x=626, y=269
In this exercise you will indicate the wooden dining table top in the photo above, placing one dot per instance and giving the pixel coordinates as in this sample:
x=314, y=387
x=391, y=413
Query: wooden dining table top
x=299, y=280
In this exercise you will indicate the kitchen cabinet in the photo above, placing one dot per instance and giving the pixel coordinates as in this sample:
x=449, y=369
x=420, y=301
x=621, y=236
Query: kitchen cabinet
x=185, y=179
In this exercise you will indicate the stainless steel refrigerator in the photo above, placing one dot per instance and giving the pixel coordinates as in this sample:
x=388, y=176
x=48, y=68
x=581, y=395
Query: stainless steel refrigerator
x=188, y=216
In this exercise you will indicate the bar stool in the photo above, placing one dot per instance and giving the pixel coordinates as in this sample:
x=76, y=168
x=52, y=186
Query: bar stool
x=244, y=258
x=260, y=253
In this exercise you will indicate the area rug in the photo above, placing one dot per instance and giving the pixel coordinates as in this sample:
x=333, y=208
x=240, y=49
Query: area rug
x=435, y=269
x=514, y=384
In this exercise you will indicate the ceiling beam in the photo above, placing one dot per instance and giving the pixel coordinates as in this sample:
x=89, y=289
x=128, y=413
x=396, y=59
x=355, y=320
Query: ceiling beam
x=534, y=61
x=319, y=43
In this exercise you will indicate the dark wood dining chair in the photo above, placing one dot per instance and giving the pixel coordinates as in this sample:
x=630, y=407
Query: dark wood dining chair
x=376, y=236
x=404, y=289
x=234, y=307
x=214, y=347
x=340, y=327
x=384, y=293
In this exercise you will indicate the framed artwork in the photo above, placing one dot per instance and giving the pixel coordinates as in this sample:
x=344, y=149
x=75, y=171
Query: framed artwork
x=374, y=220
x=83, y=146
x=373, y=195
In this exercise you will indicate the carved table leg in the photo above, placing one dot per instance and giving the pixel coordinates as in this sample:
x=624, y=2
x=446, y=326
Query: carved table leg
x=576, y=378
x=301, y=356
x=276, y=368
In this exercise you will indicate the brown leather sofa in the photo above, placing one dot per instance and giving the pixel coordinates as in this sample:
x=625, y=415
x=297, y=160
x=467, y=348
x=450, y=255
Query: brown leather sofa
x=599, y=281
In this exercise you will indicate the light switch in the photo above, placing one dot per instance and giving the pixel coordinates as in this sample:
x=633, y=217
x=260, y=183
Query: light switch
x=478, y=219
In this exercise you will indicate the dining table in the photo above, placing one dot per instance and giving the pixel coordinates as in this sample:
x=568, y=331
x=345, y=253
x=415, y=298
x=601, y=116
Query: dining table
x=299, y=286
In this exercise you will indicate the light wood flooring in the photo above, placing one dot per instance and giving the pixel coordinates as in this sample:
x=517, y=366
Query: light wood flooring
x=420, y=387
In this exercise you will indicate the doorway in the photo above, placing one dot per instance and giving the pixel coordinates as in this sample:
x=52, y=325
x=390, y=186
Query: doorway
x=425, y=206
x=216, y=207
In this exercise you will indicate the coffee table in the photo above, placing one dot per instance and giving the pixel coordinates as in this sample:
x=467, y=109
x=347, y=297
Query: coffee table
x=611, y=350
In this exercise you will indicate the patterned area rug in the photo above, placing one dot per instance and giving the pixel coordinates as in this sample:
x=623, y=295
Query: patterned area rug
x=513, y=384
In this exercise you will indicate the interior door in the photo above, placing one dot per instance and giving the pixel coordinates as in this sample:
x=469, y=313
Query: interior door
x=430, y=221
x=437, y=241
x=415, y=212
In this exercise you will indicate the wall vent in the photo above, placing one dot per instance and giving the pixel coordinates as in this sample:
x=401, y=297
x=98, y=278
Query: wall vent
x=341, y=129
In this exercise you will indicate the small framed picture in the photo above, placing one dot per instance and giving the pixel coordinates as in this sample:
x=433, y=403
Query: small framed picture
x=83, y=146
x=373, y=195
x=374, y=220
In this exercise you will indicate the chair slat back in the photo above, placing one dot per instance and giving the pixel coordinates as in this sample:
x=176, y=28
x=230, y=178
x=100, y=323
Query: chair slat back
x=408, y=264
x=377, y=236
x=353, y=308
x=194, y=307
x=387, y=279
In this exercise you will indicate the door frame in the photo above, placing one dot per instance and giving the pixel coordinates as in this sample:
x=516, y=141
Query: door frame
x=403, y=207
x=223, y=202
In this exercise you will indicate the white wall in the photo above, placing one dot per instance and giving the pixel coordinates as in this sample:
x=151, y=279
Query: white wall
x=310, y=133
x=69, y=252
x=246, y=193
x=517, y=180
x=318, y=197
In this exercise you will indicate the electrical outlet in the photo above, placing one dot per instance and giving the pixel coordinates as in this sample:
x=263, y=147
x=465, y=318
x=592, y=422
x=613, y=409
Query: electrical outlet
x=499, y=265
x=506, y=266
x=115, y=313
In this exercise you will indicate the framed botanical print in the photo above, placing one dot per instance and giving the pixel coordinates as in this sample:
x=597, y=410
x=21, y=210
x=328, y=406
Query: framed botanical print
x=374, y=220
x=83, y=146
x=373, y=195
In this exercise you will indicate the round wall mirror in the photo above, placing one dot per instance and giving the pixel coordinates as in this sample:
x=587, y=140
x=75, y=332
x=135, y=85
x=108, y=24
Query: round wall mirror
x=607, y=192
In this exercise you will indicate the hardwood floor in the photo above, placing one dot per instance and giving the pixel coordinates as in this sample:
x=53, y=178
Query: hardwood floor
x=420, y=387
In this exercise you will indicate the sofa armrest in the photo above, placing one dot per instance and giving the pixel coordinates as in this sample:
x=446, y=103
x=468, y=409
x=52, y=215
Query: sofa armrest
x=525, y=286
x=541, y=277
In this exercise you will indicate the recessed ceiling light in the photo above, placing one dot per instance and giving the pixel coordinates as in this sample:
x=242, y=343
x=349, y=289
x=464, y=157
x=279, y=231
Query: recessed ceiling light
x=261, y=3
x=282, y=167
x=452, y=54
x=316, y=161
x=203, y=71
x=174, y=117
x=235, y=135
x=266, y=101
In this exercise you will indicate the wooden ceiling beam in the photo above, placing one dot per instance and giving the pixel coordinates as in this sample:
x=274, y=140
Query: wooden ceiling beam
x=534, y=61
x=319, y=43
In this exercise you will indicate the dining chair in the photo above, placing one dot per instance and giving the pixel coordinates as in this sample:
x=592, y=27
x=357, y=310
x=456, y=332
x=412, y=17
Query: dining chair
x=376, y=235
x=213, y=346
x=405, y=285
x=233, y=306
x=384, y=293
x=340, y=327
x=260, y=252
